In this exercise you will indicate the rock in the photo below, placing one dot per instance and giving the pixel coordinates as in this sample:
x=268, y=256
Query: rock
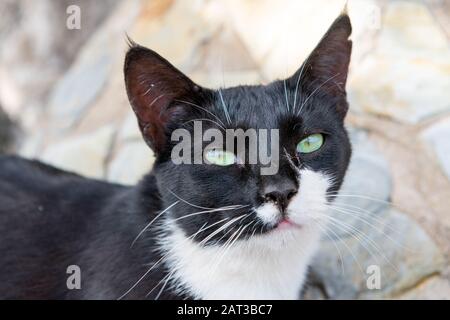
x=174, y=29
x=130, y=129
x=389, y=240
x=434, y=288
x=85, y=154
x=79, y=87
x=407, y=75
x=220, y=67
x=436, y=139
x=133, y=161
x=7, y=132
x=362, y=192
x=84, y=82
x=132, y=157
x=280, y=35
x=37, y=47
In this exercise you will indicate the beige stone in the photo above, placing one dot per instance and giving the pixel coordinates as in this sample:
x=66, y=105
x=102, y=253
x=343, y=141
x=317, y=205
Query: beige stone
x=434, y=288
x=407, y=76
x=132, y=162
x=85, y=154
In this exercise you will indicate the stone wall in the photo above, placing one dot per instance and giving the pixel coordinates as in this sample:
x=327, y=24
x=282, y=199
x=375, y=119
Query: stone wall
x=8, y=133
x=395, y=206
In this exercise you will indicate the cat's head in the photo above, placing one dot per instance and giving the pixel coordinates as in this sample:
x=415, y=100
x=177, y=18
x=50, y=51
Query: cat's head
x=220, y=195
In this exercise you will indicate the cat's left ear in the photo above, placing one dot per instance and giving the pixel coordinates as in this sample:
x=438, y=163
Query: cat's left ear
x=326, y=68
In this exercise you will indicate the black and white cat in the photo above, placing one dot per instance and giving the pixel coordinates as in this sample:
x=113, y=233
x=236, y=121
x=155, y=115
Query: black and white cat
x=217, y=230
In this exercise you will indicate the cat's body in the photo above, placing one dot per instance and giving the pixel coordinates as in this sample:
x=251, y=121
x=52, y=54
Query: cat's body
x=64, y=219
x=218, y=229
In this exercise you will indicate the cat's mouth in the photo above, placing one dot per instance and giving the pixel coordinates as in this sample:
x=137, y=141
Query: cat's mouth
x=286, y=223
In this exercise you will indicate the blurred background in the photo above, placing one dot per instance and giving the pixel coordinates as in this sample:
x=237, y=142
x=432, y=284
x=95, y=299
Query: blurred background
x=62, y=100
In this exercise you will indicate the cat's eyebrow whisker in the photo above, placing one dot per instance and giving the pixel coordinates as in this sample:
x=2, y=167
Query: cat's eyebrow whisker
x=298, y=82
x=315, y=90
x=225, y=109
x=286, y=95
x=202, y=108
x=205, y=119
x=152, y=221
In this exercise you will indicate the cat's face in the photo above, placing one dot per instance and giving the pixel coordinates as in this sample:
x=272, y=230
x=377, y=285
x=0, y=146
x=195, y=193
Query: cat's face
x=223, y=198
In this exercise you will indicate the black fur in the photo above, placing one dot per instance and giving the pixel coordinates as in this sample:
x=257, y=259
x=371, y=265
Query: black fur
x=50, y=219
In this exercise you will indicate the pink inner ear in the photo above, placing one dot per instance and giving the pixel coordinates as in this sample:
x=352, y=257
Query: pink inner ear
x=152, y=84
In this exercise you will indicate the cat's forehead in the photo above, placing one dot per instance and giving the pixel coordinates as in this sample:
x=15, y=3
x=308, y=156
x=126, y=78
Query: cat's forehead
x=258, y=106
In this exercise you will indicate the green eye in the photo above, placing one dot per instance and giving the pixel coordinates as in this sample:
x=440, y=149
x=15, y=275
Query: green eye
x=310, y=143
x=220, y=157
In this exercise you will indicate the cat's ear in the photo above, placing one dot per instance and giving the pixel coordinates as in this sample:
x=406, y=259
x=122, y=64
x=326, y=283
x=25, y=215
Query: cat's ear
x=326, y=68
x=154, y=86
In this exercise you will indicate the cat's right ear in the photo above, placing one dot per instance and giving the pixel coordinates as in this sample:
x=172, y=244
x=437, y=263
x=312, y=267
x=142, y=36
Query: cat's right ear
x=326, y=68
x=153, y=85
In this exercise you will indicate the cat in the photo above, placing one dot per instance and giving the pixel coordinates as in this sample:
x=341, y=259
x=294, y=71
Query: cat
x=216, y=230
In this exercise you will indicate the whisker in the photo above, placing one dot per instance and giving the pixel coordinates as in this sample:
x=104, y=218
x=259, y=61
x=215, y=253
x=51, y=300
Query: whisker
x=336, y=195
x=349, y=250
x=206, y=211
x=356, y=215
x=223, y=227
x=225, y=109
x=363, y=238
x=152, y=221
x=204, y=109
x=200, y=207
x=205, y=119
x=157, y=263
x=315, y=90
x=324, y=230
x=286, y=95
x=297, y=83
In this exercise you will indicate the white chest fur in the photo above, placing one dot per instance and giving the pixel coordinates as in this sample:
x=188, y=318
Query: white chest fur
x=264, y=267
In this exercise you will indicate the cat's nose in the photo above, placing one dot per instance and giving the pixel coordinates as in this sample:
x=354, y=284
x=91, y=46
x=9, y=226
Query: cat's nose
x=280, y=194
